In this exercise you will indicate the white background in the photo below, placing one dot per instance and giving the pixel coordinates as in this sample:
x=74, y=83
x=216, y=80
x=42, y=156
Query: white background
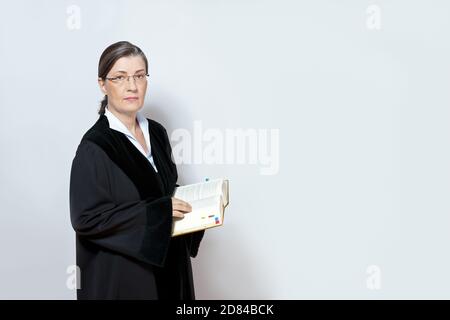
x=364, y=145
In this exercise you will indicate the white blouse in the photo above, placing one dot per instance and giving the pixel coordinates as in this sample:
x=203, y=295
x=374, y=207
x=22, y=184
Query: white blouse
x=116, y=124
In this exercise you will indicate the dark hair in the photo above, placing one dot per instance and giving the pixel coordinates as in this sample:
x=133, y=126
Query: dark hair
x=111, y=54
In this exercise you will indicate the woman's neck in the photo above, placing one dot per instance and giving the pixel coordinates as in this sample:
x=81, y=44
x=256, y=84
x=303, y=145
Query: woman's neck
x=128, y=119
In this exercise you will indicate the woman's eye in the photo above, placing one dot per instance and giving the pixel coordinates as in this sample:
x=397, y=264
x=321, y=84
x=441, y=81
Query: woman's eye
x=120, y=78
x=140, y=76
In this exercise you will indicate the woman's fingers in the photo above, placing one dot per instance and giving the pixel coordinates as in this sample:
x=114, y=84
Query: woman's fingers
x=178, y=214
x=182, y=208
x=180, y=205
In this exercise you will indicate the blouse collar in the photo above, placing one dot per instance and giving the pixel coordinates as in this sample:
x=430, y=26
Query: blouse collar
x=116, y=124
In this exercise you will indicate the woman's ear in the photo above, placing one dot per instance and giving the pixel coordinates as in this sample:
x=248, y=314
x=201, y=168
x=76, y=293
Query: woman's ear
x=101, y=84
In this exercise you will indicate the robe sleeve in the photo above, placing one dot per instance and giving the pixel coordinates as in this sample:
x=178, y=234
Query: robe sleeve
x=137, y=229
x=196, y=238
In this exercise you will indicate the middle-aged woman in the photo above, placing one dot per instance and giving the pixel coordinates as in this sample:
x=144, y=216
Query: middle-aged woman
x=122, y=180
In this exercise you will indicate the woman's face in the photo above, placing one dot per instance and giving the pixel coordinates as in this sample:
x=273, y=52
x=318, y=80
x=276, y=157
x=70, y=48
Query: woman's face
x=126, y=96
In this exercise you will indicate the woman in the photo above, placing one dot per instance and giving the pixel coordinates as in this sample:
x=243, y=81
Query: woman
x=121, y=186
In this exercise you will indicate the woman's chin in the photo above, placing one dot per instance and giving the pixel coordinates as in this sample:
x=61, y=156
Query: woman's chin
x=132, y=106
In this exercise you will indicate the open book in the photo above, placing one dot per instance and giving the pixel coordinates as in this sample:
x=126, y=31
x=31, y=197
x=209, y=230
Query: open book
x=208, y=200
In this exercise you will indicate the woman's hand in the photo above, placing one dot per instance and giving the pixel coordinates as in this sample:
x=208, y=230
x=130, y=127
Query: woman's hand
x=180, y=207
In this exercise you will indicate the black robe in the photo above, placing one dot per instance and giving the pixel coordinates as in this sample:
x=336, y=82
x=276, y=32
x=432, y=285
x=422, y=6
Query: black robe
x=121, y=211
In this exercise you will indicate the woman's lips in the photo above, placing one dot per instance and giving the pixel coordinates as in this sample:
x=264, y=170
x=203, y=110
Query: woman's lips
x=131, y=98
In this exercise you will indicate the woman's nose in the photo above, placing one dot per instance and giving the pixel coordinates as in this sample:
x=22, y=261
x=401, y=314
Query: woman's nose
x=131, y=84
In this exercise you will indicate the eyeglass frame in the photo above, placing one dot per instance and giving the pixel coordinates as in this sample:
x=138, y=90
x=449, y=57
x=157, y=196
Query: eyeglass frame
x=128, y=78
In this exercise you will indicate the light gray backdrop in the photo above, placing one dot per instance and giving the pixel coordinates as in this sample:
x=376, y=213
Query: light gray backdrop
x=354, y=96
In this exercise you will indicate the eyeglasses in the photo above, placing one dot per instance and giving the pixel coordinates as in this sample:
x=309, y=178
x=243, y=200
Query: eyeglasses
x=138, y=78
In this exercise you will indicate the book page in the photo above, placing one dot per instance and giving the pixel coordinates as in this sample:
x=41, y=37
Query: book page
x=198, y=191
x=208, y=200
x=204, y=212
x=225, y=192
